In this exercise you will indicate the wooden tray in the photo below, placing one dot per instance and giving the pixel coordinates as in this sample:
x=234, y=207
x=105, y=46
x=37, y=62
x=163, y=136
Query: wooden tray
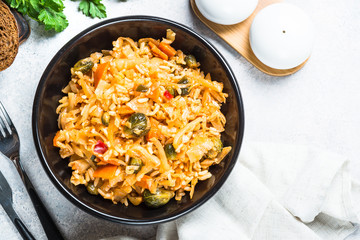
x=237, y=36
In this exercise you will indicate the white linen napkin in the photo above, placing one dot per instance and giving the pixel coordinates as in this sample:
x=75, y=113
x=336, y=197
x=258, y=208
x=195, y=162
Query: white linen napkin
x=277, y=192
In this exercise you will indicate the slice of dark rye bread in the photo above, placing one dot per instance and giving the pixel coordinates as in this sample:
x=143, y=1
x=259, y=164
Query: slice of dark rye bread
x=9, y=37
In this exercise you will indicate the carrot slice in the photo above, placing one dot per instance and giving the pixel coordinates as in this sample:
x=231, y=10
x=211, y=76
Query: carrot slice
x=100, y=71
x=167, y=49
x=157, y=52
x=102, y=162
x=123, y=110
x=154, y=91
x=106, y=171
x=152, y=134
x=145, y=182
x=112, y=162
x=154, y=131
x=57, y=135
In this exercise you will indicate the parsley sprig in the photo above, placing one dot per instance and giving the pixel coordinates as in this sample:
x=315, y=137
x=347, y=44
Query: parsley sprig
x=50, y=12
x=93, y=8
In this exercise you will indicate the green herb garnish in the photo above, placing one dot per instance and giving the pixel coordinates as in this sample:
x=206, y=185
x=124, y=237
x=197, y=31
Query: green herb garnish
x=93, y=8
x=50, y=12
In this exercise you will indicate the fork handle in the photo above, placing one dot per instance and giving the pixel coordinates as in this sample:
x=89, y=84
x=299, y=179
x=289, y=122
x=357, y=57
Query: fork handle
x=24, y=232
x=51, y=231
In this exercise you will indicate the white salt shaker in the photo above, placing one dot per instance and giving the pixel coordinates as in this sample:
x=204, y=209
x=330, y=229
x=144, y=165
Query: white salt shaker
x=226, y=12
x=281, y=36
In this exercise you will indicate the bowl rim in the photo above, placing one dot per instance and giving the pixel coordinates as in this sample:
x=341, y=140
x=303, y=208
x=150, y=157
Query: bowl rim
x=88, y=209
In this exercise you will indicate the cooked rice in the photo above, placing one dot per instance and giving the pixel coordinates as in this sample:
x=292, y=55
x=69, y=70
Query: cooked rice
x=188, y=122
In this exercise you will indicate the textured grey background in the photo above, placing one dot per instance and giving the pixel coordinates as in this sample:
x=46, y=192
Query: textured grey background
x=319, y=105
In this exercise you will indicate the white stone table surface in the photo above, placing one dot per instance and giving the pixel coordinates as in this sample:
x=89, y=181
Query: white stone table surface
x=319, y=105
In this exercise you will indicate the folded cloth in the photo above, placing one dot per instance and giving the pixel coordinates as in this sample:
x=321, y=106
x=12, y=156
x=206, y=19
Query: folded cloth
x=277, y=192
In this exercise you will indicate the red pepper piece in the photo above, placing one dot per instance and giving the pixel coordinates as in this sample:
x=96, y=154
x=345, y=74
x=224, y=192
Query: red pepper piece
x=100, y=147
x=168, y=95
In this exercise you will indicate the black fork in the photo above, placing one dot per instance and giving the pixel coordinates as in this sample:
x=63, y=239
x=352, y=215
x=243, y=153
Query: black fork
x=10, y=147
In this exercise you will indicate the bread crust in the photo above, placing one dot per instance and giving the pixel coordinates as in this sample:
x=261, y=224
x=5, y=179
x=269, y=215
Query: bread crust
x=9, y=37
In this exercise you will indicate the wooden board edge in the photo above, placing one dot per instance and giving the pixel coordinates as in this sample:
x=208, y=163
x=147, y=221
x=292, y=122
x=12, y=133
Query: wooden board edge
x=249, y=56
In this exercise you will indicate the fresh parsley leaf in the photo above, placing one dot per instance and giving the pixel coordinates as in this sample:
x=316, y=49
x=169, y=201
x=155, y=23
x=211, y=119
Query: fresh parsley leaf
x=50, y=12
x=13, y=3
x=56, y=5
x=33, y=8
x=93, y=8
x=19, y=5
x=84, y=7
x=53, y=19
x=97, y=10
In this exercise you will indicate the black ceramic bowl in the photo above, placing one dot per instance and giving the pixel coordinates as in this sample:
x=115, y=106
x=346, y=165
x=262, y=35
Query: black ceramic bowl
x=56, y=77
